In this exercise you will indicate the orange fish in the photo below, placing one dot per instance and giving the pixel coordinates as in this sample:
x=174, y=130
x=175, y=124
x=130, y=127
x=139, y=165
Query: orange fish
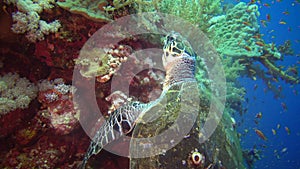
x=247, y=48
x=257, y=36
x=259, y=43
x=287, y=130
x=260, y=134
x=266, y=5
x=268, y=17
x=247, y=23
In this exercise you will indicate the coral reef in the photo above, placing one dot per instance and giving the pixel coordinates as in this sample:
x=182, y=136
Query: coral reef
x=236, y=34
x=103, y=63
x=196, y=12
x=15, y=92
x=43, y=132
x=233, y=32
x=56, y=97
x=27, y=19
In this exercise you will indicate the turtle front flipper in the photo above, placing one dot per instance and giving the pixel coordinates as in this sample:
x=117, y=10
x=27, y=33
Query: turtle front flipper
x=120, y=123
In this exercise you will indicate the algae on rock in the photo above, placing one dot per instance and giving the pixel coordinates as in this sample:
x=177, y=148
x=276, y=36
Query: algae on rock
x=91, y=9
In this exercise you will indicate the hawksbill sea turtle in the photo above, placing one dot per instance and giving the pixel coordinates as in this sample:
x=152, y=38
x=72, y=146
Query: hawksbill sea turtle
x=167, y=117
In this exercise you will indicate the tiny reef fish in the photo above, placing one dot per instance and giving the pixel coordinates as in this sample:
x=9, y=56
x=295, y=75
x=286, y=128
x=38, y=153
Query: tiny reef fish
x=286, y=12
x=259, y=43
x=268, y=17
x=283, y=105
x=287, y=130
x=260, y=134
x=258, y=115
x=282, y=23
x=266, y=5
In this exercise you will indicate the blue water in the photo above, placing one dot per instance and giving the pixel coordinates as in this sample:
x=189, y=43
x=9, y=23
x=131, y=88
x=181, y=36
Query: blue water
x=272, y=111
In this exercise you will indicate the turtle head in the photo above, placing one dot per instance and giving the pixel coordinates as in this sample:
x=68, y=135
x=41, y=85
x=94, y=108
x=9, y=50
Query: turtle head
x=176, y=47
x=178, y=59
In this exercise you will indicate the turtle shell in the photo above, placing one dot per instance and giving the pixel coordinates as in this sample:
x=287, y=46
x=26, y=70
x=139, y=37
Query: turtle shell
x=170, y=133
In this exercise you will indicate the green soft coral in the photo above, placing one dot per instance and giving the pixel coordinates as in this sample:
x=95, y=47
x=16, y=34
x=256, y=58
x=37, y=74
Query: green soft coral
x=196, y=12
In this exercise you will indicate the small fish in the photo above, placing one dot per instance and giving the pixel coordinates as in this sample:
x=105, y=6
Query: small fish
x=284, y=150
x=247, y=23
x=263, y=22
x=289, y=29
x=287, y=130
x=266, y=5
x=252, y=2
x=278, y=126
x=259, y=43
x=274, y=131
x=255, y=87
x=268, y=17
x=283, y=105
x=275, y=79
x=257, y=36
x=282, y=23
x=271, y=31
x=260, y=134
x=286, y=12
x=247, y=48
x=258, y=115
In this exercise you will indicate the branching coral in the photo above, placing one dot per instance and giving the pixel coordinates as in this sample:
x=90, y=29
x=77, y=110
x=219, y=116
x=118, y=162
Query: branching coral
x=27, y=19
x=15, y=92
x=196, y=12
x=233, y=33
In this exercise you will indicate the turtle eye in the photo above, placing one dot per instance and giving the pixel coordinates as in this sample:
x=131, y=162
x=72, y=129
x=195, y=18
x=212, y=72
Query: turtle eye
x=176, y=50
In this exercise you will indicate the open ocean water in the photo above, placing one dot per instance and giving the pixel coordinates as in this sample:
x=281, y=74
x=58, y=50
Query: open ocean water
x=282, y=149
